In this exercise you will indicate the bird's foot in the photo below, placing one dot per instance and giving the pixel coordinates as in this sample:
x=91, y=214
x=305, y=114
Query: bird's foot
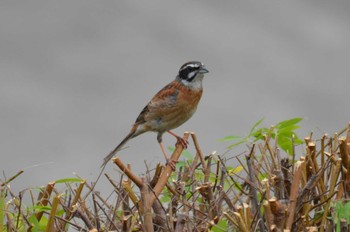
x=172, y=164
x=180, y=140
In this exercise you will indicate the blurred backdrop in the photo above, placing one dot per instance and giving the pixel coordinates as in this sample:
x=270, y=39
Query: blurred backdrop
x=75, y=75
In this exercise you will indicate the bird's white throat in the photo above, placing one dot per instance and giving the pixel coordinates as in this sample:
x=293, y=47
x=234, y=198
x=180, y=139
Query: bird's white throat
x=196, y=83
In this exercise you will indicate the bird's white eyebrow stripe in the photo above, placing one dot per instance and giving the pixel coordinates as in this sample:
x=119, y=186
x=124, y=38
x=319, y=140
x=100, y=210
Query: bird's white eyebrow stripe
x=193, y=65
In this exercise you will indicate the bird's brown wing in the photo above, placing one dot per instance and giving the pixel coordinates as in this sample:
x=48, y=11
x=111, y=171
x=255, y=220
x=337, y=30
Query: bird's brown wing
x=165, y=98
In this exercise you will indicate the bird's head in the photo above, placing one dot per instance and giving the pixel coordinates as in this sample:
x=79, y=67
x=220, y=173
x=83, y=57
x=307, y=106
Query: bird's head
x=191, y=74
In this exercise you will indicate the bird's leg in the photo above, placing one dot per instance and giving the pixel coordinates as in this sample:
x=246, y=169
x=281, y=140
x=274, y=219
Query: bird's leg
x=183, y=142
x=172, y=163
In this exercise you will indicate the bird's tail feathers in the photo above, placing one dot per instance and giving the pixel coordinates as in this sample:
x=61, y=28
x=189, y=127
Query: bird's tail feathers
x=118, y=148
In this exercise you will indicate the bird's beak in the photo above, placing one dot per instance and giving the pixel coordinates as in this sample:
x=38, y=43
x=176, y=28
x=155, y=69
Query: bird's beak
x=203, y=70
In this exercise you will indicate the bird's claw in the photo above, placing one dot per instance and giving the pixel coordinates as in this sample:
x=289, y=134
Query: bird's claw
x=182, y=141
x=172, y=163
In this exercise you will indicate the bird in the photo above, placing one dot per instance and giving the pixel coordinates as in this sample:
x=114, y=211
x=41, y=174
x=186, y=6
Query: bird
x=172, y=106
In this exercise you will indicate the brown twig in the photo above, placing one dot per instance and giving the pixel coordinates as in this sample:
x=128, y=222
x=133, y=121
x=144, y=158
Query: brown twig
x=163, y=179
x=128, y=172
x=294, y=194
x=253, y=191
x=44, y=197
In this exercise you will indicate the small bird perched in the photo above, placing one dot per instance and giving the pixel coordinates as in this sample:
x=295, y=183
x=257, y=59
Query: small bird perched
x=169, y=108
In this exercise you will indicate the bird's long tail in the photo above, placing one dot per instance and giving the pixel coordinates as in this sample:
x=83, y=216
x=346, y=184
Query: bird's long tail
x=119, y=147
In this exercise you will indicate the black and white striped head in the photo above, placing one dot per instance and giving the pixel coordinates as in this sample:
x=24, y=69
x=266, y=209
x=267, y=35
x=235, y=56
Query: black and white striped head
x=192, y=73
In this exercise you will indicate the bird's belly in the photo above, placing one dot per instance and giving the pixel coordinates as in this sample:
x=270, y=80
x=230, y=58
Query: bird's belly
x=165, y=117
x=172, y=119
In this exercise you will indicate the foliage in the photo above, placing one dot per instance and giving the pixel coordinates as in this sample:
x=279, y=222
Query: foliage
x=268, y=192
x=34, y=218
x=283, y=132
x=342, y=211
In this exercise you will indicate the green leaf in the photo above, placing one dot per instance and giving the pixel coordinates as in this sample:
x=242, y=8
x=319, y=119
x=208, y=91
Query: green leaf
x=165, y=198
x=342, y=209
x=285, y=143
x=220, y=227
x=288, y=122
x=255, y=126
x=60, y=213
x=40, y=208
x=283, y=131
x=43, y=223
x=69, y=180
x=262, y=176
x=298, y=141
x=33, y=220
x=288, y=129
x=260, y=133
x=232, y=171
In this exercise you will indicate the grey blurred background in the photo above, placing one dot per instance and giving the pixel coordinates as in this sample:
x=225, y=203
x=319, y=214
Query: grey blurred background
x=75, y=75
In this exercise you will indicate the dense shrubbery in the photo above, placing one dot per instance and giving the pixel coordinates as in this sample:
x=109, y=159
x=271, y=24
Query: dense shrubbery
x=271, y=189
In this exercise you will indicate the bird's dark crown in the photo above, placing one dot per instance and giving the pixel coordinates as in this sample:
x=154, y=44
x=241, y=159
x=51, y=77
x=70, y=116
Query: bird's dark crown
x=189, y=70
